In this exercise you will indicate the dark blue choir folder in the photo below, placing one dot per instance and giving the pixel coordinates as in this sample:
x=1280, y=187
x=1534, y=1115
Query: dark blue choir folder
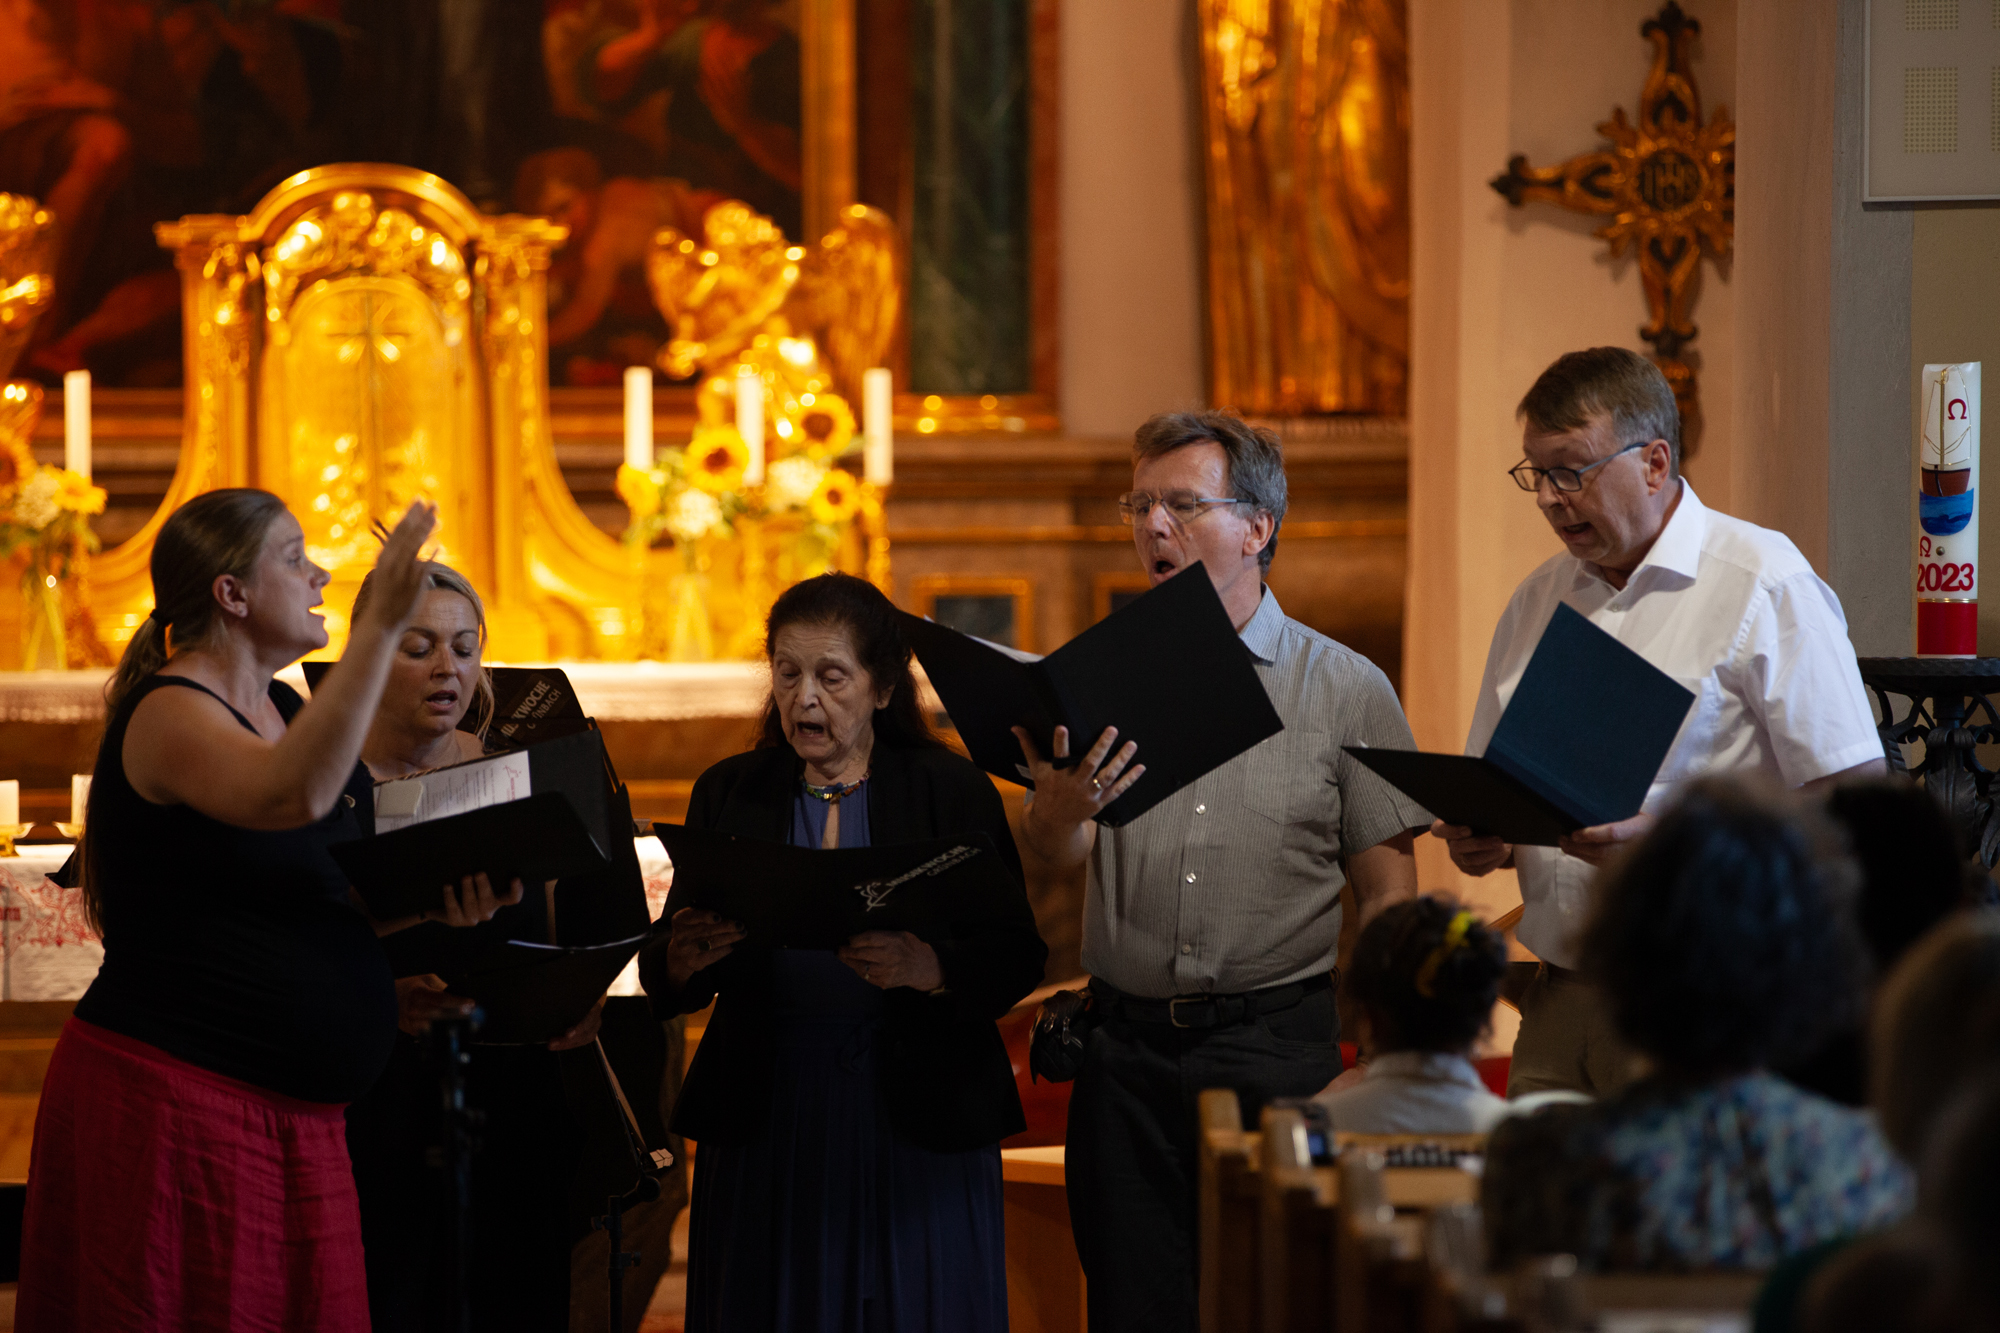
x=533, y=993
x=804, y=898
x=1578, y=745
x=1168, y=670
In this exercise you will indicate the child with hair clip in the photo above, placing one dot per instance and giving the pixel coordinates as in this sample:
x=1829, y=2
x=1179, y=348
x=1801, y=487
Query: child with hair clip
x=1425, y=975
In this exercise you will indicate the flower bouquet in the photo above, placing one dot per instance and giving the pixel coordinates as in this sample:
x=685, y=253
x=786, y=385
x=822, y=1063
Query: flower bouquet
x=45, y=529
x=742, y=542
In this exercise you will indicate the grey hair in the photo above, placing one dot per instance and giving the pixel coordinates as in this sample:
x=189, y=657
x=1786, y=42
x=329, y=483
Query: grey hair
x=1614, y=380
x=1256, y=459
x=444, y=578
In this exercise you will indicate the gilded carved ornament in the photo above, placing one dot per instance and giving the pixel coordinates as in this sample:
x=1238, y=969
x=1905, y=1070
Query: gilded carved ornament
x=1306, y=116
x=398, y=320
x=1668, y=185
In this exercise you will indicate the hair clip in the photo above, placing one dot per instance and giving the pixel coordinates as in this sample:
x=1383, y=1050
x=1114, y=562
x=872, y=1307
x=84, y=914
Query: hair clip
x=1454, y=938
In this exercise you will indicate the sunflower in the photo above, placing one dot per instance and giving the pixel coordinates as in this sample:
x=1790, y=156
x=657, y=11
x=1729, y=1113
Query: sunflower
x=838, y=496
x=716, y=458
x=16, y=464
x=826, y=426
x=639, y=491
x=77, y=495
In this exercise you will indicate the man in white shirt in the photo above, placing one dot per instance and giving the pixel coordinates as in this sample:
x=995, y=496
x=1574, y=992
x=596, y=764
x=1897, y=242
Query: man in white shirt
x=1731, y=610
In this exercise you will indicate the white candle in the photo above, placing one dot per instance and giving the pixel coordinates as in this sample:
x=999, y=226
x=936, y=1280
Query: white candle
x=639, y=417
x=10, y=804
x=878, y=427
x=79, y=796
x=76, y=422
x=1948, y=512
x=750, y=420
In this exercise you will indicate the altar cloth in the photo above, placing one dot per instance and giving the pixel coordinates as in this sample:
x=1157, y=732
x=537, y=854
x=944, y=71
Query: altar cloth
x=49, y=952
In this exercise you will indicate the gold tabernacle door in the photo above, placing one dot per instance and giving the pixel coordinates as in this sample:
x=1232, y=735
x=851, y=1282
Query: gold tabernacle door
x=365, y=337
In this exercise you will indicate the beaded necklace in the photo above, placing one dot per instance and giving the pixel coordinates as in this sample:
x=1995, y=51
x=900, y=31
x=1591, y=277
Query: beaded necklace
x=835, y=793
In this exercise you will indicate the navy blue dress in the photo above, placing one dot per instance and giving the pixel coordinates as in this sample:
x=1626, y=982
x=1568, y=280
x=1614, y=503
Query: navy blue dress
x=832, y=1223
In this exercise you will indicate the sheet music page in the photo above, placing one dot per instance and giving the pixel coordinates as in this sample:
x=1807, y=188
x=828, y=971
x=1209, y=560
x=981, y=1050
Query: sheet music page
x=1020, y=655
x=423, y=797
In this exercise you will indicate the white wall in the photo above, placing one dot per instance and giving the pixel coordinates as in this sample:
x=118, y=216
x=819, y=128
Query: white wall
x=1497, y=294
x=1131, y=201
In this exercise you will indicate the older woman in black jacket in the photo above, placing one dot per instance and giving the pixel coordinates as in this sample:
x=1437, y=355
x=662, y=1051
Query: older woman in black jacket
x=848, y=1106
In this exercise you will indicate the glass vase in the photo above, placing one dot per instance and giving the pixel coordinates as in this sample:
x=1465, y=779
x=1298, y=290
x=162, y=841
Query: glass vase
x=44, y=645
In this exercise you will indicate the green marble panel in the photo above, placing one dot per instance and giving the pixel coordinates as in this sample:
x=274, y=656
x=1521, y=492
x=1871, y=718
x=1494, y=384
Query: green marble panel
x=969, y=232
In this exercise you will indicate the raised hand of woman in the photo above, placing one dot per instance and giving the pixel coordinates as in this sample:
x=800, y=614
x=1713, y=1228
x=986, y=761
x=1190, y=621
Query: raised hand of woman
x=473, y=902
x=892, y=958
x=399, y=575
x=699, y=939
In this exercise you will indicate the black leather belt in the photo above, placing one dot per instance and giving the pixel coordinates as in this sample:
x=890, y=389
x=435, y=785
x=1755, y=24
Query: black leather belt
x=1208, y=1011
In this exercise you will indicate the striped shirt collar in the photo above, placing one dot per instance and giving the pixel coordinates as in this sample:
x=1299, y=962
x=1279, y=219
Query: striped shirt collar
x=1266, y=627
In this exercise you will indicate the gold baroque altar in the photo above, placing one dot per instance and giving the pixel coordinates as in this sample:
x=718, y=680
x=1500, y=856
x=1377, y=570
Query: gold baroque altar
x=365, y=337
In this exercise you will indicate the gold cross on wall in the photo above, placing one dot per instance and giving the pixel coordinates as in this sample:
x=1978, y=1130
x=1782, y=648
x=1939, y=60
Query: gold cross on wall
x=1668, y=185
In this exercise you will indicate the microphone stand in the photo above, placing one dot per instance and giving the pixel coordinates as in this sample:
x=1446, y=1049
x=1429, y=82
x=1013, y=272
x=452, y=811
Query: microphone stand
x=451, y=1043
x=650, y=1165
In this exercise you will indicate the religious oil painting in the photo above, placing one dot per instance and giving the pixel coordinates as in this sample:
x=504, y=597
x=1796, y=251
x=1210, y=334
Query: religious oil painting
x=615, y=118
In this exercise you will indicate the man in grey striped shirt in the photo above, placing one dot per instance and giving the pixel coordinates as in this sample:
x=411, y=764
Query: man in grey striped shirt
x=1211, y=922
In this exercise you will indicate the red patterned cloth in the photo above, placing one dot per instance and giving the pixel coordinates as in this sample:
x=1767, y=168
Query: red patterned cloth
x=162, y=1196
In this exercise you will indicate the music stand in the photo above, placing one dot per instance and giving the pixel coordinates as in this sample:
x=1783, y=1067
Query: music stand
x=648, y=1165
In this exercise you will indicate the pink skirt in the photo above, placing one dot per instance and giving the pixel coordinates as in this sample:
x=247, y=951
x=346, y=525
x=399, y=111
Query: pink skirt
x=162, y=1196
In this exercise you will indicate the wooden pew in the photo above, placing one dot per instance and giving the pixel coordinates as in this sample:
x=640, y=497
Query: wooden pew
x=1461, y=1297
x=1297, y=1213
x=1381, y=1279
x=1227, y=1232
x=1587, y=1299
x=1342, y=1246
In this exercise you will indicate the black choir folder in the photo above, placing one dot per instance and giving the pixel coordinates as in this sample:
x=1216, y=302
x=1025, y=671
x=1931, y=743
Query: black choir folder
x=529, y=704
x=1168, y=670
x=534, y=814
x=536, y=992
x=1578, y=745
x=802, y=898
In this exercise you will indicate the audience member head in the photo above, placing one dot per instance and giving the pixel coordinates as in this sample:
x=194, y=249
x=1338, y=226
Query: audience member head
x=842, y=633
x=1957, y=1186
x=1893, y=1282
x=1426, y=974
x=1912, y=866
x=1936, y=1025
x=1181, y=458
x=1603, y=420
x=437, y=674
x=1725, y=939
x=209, y=548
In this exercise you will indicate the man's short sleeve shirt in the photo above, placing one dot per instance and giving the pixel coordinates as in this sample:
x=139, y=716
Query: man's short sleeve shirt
x=1233, y=883
x=1736, y=614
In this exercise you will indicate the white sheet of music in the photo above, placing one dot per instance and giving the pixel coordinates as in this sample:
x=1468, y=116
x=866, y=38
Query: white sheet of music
x=418, y=799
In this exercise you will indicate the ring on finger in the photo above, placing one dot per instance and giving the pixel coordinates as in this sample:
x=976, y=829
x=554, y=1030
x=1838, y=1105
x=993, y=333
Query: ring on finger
x=1097, y=784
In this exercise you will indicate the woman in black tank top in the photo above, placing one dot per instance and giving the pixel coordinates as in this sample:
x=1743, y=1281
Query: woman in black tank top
x=189, y=1167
